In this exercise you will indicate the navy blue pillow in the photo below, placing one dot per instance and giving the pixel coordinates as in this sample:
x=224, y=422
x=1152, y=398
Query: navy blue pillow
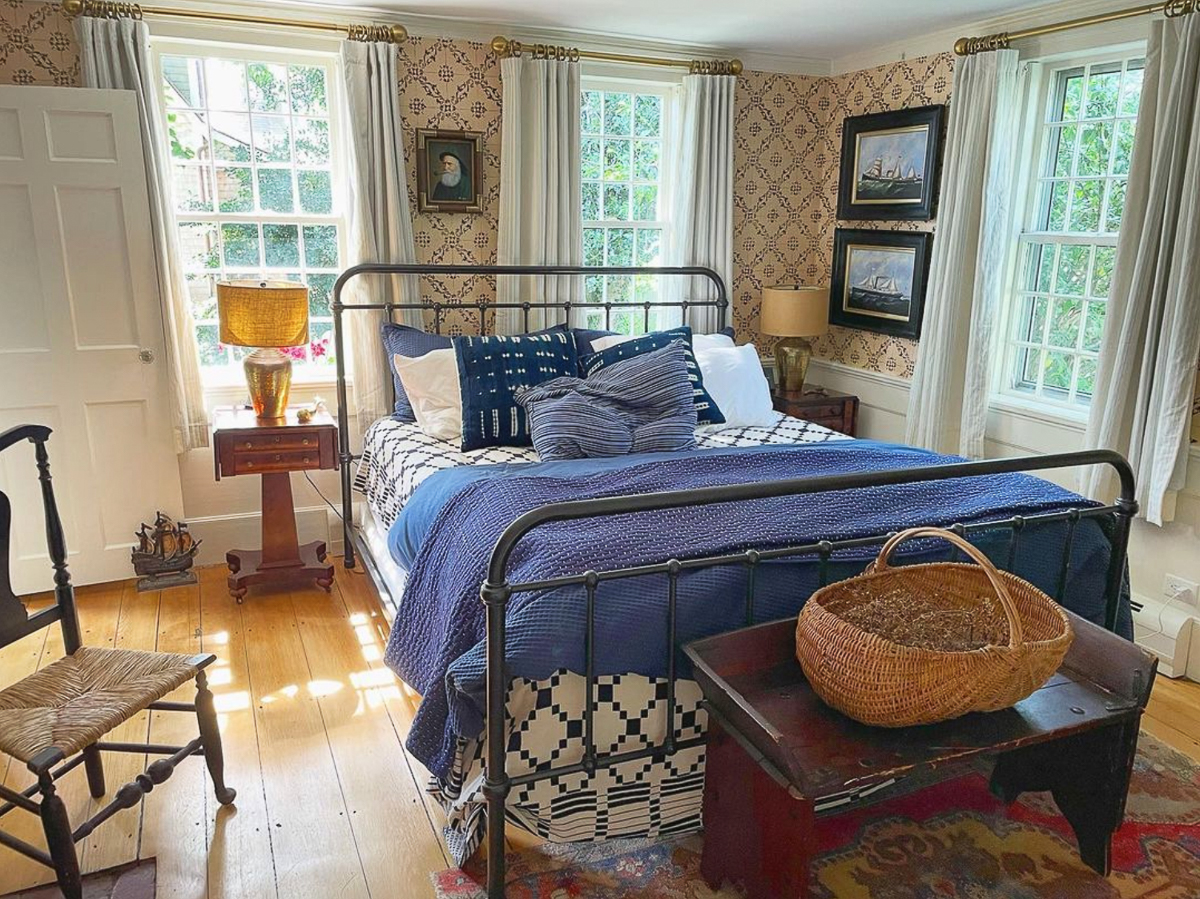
x=707, y=412
x=492, y=369
x=401, y=340
x=585, y=336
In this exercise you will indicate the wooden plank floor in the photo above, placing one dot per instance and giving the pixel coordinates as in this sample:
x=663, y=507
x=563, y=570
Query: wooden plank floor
x=329, y=804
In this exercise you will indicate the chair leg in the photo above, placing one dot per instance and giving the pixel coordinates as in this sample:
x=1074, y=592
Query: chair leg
x=95, y=771
x=58, y=839
x=210, y=733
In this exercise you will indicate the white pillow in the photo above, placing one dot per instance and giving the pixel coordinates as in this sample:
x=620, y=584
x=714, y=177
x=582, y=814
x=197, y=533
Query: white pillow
x=699, y=341
x=431, y=382
x=733, y=377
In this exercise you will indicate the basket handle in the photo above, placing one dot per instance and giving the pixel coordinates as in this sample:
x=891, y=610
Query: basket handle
x=1016, y=633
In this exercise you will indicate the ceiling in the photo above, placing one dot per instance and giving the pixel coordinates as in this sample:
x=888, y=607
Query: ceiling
x=821, y=29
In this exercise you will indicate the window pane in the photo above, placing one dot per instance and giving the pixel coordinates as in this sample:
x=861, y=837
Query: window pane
x=211, y=352
x=1102, y=271
x=1103, y=89
x=281, y=245
x=1085, y=205
x=645, y=290
x=620, y=246
x=593, y=246
x=645, y=159
x=316, y=191
x=1131, y=90
x=1087, y=377
x=616, y=202
x=618, y=111
x=320, y=295
x=620, y=289
x=1064, y=325
x=1031, y=362
x=241, y=245
x=591, y=167
x=1056, y=213
x=202, y=296
x=647, y=116
x=272, y=139
x=1058, y=370
x=231, y=137
x=616, y=160
x=591, y=201
x=183, y=81
x=1116, y=205
x=268, y=87
x=320, y=246
x=226, y=83
x=187, y=133
x=649, y=246
x=593, y=290
x=1072, y=97
x=1072, y=270
x=645, y=202
x=312, y=141
x=198, y=246
x=1095, y=143
x=307, y=90
x=1062, y=150
x=275, y=190
x=1093, y=329
x=193, y=188
x=1033, y=319
x=1124, y=147
x=234, y=190
x=590, y=112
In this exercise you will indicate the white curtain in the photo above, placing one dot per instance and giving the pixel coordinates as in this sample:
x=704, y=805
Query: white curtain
x=1142, y=404
x=541, y=205
x=380, y=222
x=701, y=174
x=115, y=55
x=947, y=408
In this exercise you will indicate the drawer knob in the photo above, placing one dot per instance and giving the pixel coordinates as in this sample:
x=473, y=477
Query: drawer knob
x=304, y=441
x=278, y=457
x=276, y=439
x=306, y=460
x=249, y=464
x=249, y=444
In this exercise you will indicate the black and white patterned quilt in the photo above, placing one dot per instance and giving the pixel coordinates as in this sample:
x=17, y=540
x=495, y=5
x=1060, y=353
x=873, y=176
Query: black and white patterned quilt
x=397, y=456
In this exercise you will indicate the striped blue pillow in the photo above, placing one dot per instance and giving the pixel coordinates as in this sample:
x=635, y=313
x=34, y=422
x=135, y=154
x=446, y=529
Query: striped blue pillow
x=639, y=405
x=707, y=412
x=492, y=369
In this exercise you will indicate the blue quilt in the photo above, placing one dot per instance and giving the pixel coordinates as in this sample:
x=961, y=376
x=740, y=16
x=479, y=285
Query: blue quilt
x=453, y=520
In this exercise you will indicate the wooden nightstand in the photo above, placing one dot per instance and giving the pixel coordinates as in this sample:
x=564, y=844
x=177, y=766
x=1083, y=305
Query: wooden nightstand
x=243, y=445
x=837, y=411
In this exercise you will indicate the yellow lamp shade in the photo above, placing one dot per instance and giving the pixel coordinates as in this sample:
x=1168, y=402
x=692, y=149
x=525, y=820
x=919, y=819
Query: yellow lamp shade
x=263, y=313
x=795, y=310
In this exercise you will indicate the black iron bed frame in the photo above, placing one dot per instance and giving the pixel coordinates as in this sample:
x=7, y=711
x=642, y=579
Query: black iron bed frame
x=496, y=591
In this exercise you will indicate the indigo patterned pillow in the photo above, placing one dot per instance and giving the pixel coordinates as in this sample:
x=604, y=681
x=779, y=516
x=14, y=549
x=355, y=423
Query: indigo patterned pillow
x=639, y=405
x=707, y=412
x=585, y=336
x=491, y=369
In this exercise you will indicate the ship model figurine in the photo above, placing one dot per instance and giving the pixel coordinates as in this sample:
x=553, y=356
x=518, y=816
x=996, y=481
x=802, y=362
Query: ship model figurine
x=164, y=554
x=878, y=183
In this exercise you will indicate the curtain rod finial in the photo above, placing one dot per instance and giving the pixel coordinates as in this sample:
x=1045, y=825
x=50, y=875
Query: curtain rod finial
x=399, y=34
x=735, y=67
x=72, y=8
x=960, y=46
x=501, y=45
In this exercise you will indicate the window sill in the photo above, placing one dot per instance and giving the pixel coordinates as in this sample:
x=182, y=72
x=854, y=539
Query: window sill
x=1062, y=416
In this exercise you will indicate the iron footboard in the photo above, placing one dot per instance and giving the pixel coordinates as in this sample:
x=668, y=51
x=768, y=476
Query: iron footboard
x=497, y=591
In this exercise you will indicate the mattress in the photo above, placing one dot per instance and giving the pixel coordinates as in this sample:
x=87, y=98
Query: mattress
x=397, y=456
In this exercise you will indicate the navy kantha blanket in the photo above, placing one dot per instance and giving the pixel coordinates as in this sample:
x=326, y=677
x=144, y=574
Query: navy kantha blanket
x=435, y=643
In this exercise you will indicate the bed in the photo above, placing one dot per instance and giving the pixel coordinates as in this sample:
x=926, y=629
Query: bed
x=562, y=703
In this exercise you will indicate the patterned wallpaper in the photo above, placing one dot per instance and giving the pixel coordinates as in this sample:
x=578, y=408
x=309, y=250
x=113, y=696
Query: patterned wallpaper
x=788, y=138
x=37, y=45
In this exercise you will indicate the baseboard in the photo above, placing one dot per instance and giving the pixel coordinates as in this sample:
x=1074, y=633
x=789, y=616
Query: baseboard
x=221, y=533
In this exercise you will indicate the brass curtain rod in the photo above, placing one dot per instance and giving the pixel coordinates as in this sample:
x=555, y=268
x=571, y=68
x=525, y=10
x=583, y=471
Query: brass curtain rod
x=967, y=46
x=503, y=46
x=112, y=9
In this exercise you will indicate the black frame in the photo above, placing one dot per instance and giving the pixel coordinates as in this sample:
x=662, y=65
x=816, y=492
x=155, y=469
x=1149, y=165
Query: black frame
x=496, y=591
x=920, y=242
x=929, y=117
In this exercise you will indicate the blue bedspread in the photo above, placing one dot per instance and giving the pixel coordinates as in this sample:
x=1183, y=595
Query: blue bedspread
x=452, y=521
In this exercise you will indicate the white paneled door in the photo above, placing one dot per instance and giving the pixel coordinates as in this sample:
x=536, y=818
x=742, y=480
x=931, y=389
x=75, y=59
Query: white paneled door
x=81, y=339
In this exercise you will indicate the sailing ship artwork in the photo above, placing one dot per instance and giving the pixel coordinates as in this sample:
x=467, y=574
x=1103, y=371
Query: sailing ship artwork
x=889, y=164
x=879, y=280
x=164, y=554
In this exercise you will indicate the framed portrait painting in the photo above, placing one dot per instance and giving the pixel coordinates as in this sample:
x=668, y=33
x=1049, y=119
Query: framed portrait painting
x=449, y=171
x=879, y=280
x=890, y=165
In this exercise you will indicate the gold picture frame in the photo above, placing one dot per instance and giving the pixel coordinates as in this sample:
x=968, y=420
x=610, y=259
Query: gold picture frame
x=449, y=171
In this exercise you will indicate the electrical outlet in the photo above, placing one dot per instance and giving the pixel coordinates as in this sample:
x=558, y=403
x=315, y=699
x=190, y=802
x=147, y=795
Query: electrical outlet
x=1176, y=587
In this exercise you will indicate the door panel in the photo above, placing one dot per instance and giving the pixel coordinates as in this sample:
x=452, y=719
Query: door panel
x=79, y=303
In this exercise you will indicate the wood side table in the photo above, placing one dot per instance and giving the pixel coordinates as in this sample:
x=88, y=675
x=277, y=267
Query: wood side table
x=775, y=750
x=242, y=445
x=836, y=411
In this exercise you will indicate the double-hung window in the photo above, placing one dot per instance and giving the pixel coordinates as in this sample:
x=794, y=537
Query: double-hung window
x=625, y=128
x=1083, y=141
x=255, y=175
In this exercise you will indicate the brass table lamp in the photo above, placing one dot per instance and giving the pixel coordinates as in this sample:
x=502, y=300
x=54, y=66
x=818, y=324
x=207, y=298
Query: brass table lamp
x=795, y=313
x=265, y=315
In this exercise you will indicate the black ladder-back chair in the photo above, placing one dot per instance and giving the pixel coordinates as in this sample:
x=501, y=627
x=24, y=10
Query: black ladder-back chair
x=130, y=681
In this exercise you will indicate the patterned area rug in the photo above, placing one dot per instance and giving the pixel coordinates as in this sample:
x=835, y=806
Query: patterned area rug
x=951, y=840
x=133, y=881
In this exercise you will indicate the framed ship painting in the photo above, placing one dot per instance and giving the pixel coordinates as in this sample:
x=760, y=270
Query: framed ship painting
x=879, y=279
x=890, y=165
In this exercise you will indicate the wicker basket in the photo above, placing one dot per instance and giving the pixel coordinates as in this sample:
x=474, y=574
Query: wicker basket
x=878, y=681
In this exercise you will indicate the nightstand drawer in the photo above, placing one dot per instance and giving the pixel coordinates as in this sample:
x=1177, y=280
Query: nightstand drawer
x=255, y=462
x=287, y=440
x=819, y=414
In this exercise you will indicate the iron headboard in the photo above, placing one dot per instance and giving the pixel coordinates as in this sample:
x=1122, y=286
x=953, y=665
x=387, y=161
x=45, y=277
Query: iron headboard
x=346, y=458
